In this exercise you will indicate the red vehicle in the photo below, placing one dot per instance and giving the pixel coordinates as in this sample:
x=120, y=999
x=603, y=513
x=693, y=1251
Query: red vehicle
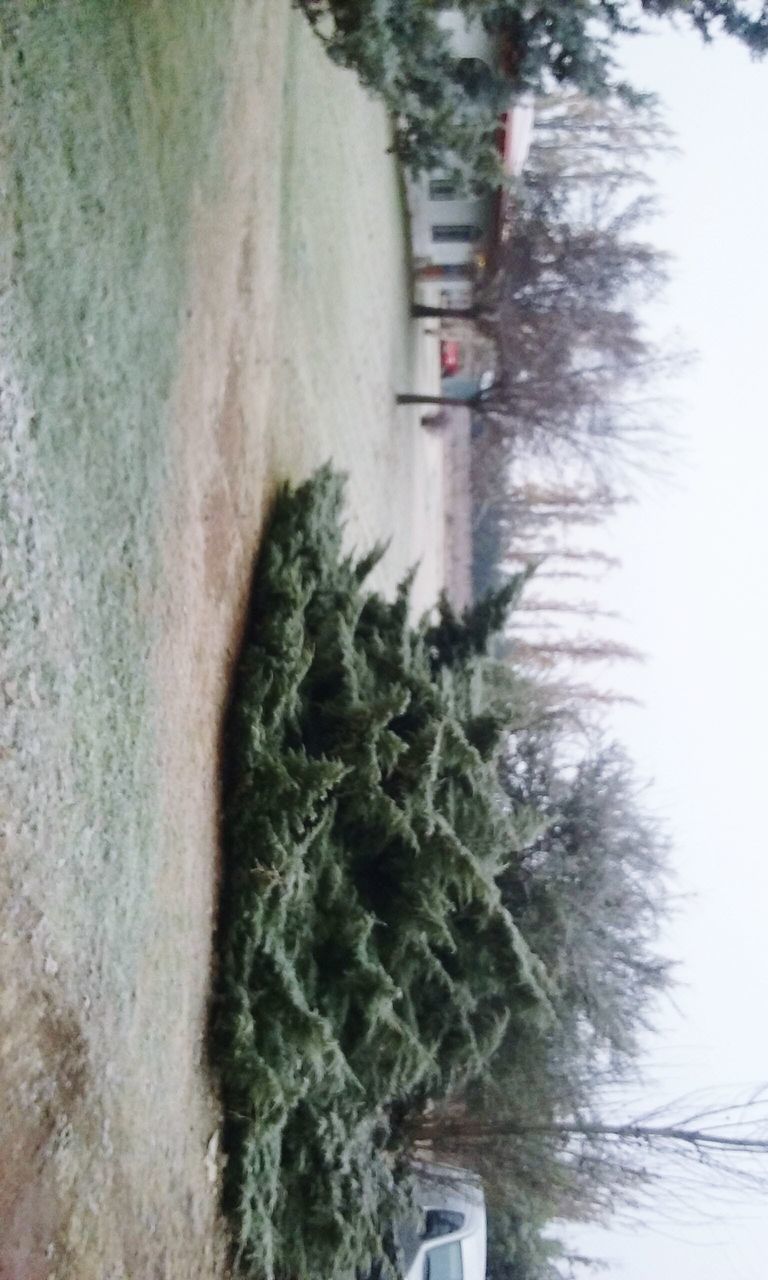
x=450, y=357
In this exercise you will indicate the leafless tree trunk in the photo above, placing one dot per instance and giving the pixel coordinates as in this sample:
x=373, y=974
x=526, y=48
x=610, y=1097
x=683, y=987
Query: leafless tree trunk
x=457, y=402
x=643, y=1134
x=420, y=311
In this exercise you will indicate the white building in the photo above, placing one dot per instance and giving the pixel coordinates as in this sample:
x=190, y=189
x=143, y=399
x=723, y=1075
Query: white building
x=452, y=233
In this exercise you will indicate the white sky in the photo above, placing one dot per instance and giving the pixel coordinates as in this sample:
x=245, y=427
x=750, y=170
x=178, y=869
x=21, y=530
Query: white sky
x=693, y=592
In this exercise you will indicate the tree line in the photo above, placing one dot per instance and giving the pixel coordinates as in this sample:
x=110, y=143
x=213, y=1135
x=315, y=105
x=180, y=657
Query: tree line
x=575, y=410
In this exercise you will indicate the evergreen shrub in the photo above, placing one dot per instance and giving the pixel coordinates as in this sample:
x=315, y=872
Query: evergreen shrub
x=367, y=960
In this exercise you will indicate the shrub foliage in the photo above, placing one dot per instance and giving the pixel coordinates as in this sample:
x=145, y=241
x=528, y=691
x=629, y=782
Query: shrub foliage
x=445, y=110
x=368, y=961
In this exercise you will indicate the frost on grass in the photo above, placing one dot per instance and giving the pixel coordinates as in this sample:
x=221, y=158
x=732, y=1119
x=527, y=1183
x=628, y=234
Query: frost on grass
x=366, y=960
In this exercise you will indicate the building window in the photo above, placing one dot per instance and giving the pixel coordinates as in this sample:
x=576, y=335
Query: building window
x=448, y=233
x=442, y=189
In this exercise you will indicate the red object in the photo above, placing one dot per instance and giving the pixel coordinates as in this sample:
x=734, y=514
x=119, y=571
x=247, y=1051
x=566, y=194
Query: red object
x=450, y=357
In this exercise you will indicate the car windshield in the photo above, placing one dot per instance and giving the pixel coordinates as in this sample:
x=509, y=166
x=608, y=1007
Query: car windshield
x=443, y=1262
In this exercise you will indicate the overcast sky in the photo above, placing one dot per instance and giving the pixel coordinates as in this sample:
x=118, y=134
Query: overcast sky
x=693, y=590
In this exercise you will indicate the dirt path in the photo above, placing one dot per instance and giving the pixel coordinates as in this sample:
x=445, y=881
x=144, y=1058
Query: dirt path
x=293, y=344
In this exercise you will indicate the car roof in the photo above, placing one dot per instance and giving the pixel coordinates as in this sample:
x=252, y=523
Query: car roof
x=473, y=1254
x=450, y=1188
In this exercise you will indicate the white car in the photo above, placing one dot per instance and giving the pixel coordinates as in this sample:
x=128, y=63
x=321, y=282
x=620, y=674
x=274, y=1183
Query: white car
x=452, y=1242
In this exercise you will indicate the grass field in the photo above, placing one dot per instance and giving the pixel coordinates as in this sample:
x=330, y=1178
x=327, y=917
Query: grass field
x=109, y=127
x=202, y=289
x=109, y=122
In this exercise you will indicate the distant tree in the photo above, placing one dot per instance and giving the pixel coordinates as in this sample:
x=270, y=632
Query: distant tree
x=445, y=113
x=534, y=606
x=662, y=1164
x=546, y=1129
x=548, y=43
x=576, y=370
x=527, y=512
x=570, y=343
x=547, y=654
x=586, y=155
x=521, y=1248
x=591, y=888
x=583, y=557
x=581, y=137
x=589, y=892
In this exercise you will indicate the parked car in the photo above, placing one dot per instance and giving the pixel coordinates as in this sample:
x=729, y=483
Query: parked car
x=450, y=1242
x=469, y=387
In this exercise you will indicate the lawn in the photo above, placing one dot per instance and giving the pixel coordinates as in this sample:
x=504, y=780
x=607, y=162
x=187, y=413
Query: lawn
x=202, y=291
x=109, y=125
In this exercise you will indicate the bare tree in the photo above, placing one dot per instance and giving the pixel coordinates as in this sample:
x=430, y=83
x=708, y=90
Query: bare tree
x=572, y=555
x=546, y=653
x=683, y=1161
x=577, y=373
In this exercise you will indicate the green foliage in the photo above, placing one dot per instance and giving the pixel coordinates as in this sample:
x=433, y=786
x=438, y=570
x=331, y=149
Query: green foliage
x=519, y=1249
x=587, y=891
x=442, y=114
x=367, y=960
x=454, y=640
x=418, y=904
